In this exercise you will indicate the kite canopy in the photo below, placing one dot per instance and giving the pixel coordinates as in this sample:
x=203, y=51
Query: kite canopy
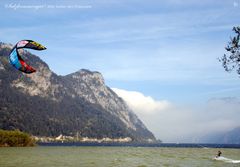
x=17, y=61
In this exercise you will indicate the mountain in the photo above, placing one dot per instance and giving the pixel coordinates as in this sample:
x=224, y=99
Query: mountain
x=229, y=137
x=46, y=104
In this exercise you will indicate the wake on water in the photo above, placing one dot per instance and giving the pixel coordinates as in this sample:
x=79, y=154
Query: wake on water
x=227, y=160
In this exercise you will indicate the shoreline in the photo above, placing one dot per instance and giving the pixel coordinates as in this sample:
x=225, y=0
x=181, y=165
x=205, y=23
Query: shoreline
x=173, y=145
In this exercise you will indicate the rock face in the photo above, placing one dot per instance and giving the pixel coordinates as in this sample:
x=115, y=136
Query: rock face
x=46, y=104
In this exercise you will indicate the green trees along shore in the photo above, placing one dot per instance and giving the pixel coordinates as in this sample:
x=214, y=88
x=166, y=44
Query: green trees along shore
x=15, y=139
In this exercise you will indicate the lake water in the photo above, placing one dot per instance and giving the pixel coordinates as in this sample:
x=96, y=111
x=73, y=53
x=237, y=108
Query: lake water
x=70, y=156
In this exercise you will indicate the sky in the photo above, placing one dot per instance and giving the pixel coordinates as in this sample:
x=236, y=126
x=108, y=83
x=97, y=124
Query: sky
x=160, y=56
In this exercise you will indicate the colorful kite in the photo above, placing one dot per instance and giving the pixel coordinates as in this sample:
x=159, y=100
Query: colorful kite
x=17, y=61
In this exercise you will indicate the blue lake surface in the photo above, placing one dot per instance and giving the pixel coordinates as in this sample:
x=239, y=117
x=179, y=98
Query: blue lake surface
x=183, y=145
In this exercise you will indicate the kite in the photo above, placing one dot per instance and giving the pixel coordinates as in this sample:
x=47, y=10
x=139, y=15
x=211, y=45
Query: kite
x=17, y=61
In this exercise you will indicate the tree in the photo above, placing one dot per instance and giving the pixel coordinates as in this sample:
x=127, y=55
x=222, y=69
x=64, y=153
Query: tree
x=231, y=60
x=15, y=139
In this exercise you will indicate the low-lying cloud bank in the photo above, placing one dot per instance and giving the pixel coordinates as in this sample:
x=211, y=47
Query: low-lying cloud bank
x=183, y=123
x=142, y=104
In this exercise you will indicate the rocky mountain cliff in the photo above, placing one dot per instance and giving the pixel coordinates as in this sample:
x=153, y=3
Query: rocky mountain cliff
x=46, y=104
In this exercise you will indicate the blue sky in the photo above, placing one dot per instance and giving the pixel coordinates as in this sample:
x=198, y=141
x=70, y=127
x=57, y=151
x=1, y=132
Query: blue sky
x=167, y=50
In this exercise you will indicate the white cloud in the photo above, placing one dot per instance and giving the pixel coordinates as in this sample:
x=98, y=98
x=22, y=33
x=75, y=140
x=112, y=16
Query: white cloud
x=183, y=123
x=140, y=103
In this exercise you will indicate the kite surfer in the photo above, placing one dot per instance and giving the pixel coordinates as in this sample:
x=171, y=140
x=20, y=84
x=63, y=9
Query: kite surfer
x=218, y=154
